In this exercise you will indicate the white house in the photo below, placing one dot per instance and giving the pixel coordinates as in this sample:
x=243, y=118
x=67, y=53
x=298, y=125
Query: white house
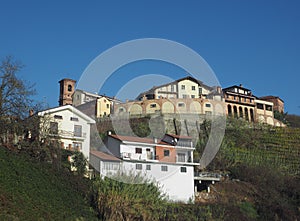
x=69, y=126
x=167, y=164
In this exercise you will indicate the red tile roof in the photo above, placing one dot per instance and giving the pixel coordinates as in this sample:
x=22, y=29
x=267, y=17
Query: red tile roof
x=104, y=156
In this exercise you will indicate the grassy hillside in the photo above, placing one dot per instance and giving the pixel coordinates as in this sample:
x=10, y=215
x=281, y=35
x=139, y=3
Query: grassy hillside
x=30, y=190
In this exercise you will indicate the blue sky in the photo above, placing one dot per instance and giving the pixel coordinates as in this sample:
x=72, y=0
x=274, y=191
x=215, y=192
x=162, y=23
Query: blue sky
x=255, y=43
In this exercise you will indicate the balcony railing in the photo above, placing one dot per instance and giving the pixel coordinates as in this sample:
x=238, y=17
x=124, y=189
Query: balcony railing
x=65, y=133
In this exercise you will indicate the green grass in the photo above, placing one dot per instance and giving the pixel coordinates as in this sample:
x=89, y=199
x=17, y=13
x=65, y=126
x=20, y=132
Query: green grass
x=31, y=190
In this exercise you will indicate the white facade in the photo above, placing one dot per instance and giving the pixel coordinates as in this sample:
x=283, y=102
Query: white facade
x=68, y=125
x=174, y=173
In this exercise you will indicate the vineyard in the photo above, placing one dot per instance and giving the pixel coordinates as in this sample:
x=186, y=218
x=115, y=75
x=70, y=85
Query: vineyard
x=272, y=147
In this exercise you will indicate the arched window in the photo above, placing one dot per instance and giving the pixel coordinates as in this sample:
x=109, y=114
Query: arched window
x=69, y=87
x=241, y=112
x=229, y=110
x=235, y=112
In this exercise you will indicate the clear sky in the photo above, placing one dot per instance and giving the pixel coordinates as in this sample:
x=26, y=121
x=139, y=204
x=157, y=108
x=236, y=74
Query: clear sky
x=255, y=43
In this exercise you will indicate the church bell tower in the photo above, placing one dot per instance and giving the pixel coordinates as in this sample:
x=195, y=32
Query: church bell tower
x=66, y=90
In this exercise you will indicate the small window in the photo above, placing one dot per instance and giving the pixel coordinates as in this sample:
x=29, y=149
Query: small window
x=148, y=167
x=164, y=168
x=207, y=105
x=70, y=88
x=269, y=107
x=152, y=105
x=107, y=106
x=58, y=117
x=193, y=88
x=74, y=119
x=166, y=153
x=200, y=91
x=78, y=130
x=192, y=96
x=138, y=150
x=180, y=104
x=184, y=96
x=172, y=88
x=183, y=87
x=183, y=169
x=139, y=166
x=260, y=106
x=121, y=109
x=53, y=127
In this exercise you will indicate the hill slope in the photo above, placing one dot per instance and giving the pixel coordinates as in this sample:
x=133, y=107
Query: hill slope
x=34, y=191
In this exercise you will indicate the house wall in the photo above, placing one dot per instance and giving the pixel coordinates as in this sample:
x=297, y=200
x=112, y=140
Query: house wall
x=178, y=186
x=131, y=151
x=187, y=92
x=66, y=130
x=161, y=157
x=105, y=168
x=103, y=107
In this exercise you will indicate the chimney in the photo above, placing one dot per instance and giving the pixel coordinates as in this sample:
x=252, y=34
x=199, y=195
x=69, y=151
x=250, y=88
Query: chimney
x=108, y=132
x=155, y=140
x=241, y=85
x=219, y=89
x=31, y=112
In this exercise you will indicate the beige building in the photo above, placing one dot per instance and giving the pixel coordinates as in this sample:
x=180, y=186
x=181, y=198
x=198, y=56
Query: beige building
x=278, y=103
x=93, y=104
x=171, y=106
x=187, y=87
x=241, y=103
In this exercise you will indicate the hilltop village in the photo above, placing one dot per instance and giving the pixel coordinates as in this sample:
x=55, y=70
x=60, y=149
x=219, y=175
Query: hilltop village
x=167, y=159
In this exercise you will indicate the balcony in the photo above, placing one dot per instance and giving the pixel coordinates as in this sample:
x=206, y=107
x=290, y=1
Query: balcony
x=67, y=134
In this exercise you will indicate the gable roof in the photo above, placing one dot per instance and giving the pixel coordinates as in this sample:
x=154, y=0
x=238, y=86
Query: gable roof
x=70, y=108
x=104, y=156
x=176, y=81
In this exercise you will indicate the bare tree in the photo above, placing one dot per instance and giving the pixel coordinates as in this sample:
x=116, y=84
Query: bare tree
x=15, y=93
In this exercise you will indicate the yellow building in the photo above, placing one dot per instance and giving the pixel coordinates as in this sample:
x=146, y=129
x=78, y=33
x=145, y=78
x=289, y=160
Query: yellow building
x=187, y=87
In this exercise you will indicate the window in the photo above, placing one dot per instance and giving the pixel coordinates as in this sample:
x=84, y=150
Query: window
x=139, y=166
x=207, y=105
x=269, y=107
x=138, y=150
x=193, y=88
x=107, y=106
x=166, y=153
x=53, y=127
x=192, y=96
x=183, y=169
x=73, y=118
x=180, y=104
x=164, y=168
x=148, y=167
x=172, y=88
x=200, y=90
x=78, y=130
x=152, y=105
x=69, y=87
x=184, y=96
x=260, y=106
x=121, y=109
x=111, y=166
x=58, y=117
x=77, y=146
x=180, y=157
x=183, y=87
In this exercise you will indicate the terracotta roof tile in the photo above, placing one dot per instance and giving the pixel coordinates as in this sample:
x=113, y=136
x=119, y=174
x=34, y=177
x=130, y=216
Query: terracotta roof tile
x=104, y=156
